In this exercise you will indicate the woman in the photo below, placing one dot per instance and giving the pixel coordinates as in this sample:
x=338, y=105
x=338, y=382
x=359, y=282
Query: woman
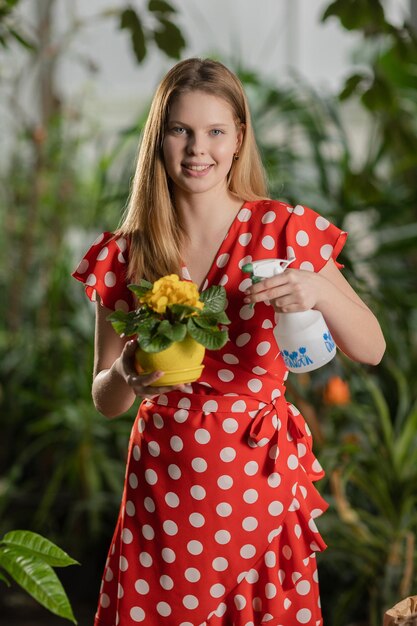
x=217, y=524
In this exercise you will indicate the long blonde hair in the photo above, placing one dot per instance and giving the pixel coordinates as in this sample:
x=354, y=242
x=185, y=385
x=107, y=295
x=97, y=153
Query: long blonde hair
x=151, y=222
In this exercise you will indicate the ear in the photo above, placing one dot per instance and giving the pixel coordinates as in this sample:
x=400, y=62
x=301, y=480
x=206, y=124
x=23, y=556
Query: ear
x=240, y=135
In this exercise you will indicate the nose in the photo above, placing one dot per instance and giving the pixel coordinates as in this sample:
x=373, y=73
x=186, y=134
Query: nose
x=196, y=144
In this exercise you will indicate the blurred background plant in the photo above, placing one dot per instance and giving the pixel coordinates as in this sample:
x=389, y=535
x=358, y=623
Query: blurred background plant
x=61, y=463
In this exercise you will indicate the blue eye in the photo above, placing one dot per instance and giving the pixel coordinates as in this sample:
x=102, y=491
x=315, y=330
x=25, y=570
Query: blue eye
x=216, y=132
x=178, y=130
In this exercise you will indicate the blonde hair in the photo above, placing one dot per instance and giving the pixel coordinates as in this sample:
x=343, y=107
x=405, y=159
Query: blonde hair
x=151, y=222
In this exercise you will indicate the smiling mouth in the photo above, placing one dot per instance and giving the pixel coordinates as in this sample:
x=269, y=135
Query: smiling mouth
x=196, y=168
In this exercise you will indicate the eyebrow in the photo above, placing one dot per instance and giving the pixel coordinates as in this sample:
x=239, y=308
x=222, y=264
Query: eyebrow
x=209, y=126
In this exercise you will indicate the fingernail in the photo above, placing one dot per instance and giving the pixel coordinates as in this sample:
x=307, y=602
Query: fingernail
x=246, y=300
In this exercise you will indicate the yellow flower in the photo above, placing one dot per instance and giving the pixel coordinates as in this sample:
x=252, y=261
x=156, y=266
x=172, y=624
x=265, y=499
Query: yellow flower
x=170, y=290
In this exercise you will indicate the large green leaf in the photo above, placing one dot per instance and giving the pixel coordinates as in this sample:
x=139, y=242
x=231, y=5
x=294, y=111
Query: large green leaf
x=214, y=318
x=154, y=343
x=141, y=289
x=160, y=6
x=211, y=339
x=174, y=332
x=37, y=546
x=169, y=39
x=214, y=299
x=130, y=20
x=38, y=579
x=358, y=14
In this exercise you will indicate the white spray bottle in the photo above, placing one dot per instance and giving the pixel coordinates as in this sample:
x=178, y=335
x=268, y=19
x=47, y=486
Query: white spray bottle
x=303, y=338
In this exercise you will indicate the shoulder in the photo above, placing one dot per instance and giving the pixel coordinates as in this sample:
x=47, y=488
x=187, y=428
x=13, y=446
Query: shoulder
x=268, y=211
x=103, y=270
x=267, y=206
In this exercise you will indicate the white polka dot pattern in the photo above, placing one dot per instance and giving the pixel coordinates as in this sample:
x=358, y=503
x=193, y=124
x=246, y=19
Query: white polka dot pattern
x=217, y=525
x=106, y=263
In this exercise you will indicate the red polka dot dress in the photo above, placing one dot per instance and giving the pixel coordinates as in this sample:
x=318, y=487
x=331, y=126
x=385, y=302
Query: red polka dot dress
x=217, y=521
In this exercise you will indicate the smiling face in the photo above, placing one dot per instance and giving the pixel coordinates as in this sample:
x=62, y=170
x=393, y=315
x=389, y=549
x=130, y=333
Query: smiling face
x=200, y=140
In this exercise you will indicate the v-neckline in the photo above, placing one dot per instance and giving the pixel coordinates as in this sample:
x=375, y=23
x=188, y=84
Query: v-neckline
x=206, y=280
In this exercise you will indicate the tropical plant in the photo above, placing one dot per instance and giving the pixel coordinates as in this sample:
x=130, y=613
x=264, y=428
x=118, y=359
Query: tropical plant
x=371, y=459
x=62, y=466
x=29, y=559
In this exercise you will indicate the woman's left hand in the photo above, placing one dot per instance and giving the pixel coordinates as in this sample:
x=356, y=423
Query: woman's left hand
x=293, y=290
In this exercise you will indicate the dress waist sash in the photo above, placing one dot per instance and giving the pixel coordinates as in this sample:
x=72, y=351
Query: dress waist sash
x=275, y=421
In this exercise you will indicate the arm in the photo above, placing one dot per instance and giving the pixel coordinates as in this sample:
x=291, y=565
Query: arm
x=115, y=381
x=353, y=326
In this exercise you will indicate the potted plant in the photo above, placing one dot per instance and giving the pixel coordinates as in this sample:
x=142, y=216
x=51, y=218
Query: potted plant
x=174, y=324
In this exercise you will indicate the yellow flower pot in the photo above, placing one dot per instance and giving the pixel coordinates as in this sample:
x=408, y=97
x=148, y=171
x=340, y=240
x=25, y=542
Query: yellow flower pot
x=181, y=362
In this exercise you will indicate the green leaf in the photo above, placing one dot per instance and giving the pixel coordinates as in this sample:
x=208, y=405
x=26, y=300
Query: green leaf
x=141, y=289
x=214, y=299
x=211, y=339
x=38, y=579
x=165, y=328
x=132, y=323
x=218, y=318
x=160, y=6
x=181, y=311
x=125, y=323
x=130, y=20
x=37, y=546
x=207, y=322
x=146, y=326
x=379, y=96
x=119, y=321
x=22, y=40
x=4, y=579
x=175, y=332
x=351, y=85
x=366, y=15
x=154, y=343
x=169, y=39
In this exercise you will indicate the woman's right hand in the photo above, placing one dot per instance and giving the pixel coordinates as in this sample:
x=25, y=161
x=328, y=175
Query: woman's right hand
x=140, y=383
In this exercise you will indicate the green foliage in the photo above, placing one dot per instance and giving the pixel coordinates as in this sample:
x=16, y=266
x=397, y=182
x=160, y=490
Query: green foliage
x=370, y=447
x=165, y=33
x=28, y=558
x=158, y=331
x=366, y=15
x=8, y=30
x=373, y=482
x=63, y=465
x=130, y=20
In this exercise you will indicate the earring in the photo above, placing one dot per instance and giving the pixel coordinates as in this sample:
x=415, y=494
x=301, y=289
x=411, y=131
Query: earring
x=236, y=156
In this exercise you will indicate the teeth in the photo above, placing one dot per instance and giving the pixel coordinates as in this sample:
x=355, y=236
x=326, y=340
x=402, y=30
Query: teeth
x=198, y=168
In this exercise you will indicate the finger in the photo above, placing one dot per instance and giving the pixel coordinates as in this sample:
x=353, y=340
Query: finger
x=268, y=294
x=130, y=347
x=267, y=283
x=146, y=390
x=144, y=380
x=156, y=391
x=286, y=305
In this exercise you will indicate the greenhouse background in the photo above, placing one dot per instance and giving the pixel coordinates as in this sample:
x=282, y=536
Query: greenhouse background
x=333, y=94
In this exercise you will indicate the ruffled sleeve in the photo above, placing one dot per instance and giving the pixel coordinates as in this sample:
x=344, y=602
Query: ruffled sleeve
x=312, y=239
x=103, y=272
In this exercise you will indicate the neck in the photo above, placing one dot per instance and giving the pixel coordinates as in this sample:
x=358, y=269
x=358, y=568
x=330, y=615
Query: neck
x=205, y=213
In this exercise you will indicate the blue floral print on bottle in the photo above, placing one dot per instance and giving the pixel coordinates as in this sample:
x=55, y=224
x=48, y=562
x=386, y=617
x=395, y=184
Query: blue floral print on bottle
x=329, y=341
x=297, y=359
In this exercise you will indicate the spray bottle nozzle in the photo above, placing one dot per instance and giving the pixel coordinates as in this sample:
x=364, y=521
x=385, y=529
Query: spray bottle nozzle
x=249, y=268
